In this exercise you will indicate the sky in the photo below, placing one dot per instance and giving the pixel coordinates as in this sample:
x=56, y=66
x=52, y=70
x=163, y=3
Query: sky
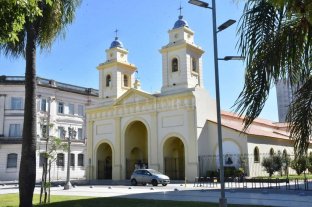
x=143, y=29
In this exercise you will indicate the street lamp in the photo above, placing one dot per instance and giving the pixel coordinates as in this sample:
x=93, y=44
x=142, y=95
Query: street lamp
x=226, y=58
x=222, y=200
x=71, y=135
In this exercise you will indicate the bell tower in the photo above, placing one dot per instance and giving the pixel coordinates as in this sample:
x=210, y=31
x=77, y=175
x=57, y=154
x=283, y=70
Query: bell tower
x=116, y=74
x=181, y=59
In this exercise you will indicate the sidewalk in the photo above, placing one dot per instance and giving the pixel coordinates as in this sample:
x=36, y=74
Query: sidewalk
x=268, y=197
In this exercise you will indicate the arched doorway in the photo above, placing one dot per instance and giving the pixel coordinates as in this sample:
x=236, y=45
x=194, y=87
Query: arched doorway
x=104, y=161
x=174, y=158
x=136, y=147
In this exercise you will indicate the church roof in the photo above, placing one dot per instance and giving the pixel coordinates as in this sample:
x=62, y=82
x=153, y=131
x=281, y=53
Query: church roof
x=180, y=23
x=260, y=127
x=116, y=43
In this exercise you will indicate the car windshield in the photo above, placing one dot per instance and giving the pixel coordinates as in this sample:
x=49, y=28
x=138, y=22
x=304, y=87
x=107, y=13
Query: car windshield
x=155, y=172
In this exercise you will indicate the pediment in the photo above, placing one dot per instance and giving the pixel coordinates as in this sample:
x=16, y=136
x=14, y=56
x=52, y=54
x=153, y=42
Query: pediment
x=133, y=96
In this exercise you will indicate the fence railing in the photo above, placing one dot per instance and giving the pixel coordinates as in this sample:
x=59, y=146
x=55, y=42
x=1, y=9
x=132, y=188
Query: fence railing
x=255, y=183
x=249, y=164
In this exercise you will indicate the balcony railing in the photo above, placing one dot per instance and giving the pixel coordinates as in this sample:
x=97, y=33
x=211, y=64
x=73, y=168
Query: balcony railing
x=50, y=83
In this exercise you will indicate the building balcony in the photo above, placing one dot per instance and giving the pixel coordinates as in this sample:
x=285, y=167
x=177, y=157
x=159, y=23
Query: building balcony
x=14, y=112
x=11, y=140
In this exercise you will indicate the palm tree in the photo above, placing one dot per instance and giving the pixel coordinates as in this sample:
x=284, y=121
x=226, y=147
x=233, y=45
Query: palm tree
x=37, y=29
x=276, y=39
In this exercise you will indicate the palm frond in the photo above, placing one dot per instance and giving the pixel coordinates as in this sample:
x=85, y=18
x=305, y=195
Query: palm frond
x=277, y=45
x=300, y=118
x=54, y=21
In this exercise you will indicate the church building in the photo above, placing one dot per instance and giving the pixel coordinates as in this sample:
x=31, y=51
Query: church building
x=173, y=131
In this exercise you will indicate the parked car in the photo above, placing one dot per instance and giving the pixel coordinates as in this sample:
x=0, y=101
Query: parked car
x=144, y=176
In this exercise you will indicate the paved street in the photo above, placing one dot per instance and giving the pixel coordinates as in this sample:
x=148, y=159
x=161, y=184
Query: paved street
x=185, y=193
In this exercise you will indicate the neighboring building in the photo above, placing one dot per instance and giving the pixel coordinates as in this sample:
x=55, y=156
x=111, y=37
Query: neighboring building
x=66, y=105
x=173, y=131
x=285, y=94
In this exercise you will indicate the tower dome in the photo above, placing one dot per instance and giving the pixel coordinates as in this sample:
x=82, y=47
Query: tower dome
x=116, y=43
x=180, y=23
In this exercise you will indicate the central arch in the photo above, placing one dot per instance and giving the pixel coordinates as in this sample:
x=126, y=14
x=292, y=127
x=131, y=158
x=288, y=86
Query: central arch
x=104, y=161
x=136, y=152
x=174, y=158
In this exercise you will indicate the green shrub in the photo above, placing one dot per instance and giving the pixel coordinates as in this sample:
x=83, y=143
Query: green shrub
x=272, y=163
x=299, y=164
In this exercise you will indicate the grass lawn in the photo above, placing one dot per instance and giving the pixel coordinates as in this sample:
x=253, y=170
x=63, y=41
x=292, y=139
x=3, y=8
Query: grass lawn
x=290, y=177
x=11, y=200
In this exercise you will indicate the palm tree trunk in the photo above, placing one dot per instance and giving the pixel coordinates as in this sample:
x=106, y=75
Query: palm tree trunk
x=27, y=173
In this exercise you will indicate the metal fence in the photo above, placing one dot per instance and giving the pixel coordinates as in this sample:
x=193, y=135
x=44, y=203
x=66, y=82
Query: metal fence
x=255, y=183
x=248, y=163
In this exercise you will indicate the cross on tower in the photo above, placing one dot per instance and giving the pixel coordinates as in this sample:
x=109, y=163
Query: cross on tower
x=180, y=8
x=116, y=31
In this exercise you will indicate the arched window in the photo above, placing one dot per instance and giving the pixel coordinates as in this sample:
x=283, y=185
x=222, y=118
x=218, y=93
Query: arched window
x=271, y=152
x=12, y=160
x=126, y=81
x=108, y=81
x=60, y=160
x=174, y=65
x=194, y=65
x=256, y=155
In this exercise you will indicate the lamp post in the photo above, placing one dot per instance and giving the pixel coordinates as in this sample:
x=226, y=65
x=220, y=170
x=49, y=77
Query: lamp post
x=71, y=134
x=222, y=200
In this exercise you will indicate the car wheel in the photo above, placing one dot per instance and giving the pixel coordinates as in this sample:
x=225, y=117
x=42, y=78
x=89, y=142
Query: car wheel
x=154, y=182
x=134, y=182
x=164, y=184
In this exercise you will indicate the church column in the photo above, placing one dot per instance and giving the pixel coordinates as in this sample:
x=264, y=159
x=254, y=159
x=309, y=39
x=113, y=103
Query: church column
x=91, y=161
x=191, y=151
x=153, y=143
x=117, y=169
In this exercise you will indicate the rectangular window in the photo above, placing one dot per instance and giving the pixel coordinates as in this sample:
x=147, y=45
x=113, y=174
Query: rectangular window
x=71, y=109
x=72, y=159
x=44, y=131
x=12, y=160
x=80, y=110
x=42, y=159
x=43, y=105
x=80, y=137
x=60, y=160
x=60, y=109
x=15, y=130
x=80, y=159
x=61, y=132
x=16, y=103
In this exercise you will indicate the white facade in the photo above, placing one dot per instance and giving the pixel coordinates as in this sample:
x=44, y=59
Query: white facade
x=66, y=105
x=174, y=131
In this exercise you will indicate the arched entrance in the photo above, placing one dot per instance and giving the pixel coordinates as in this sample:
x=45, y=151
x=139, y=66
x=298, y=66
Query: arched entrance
x=174, y=158
x=104, y=161
x=135, y=147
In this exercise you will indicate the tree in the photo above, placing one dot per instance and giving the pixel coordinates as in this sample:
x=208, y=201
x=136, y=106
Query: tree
x=310, y=162
x=53, y=144
x=272, y=164
x=26, y=25
x=285, y=162
x=276, y=39
x=299, y=164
